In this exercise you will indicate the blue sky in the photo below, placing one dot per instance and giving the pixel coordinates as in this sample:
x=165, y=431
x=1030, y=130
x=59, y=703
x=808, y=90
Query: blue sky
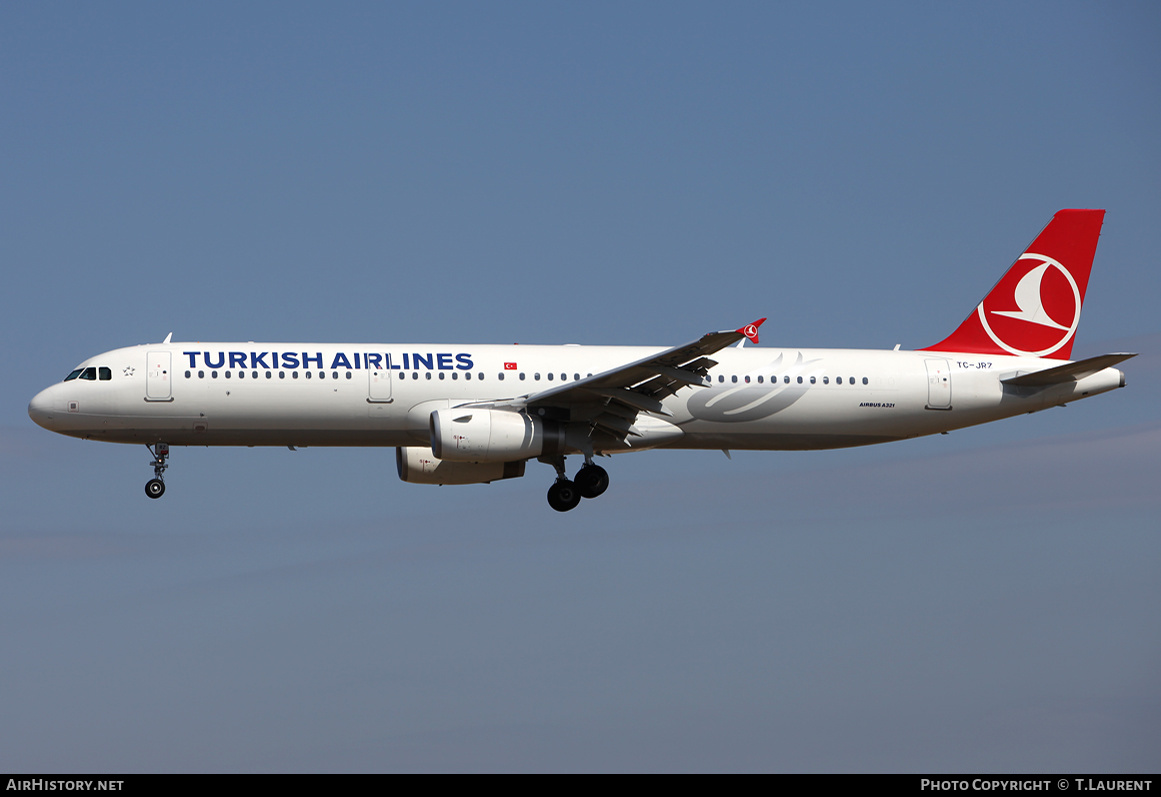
x=592, y=173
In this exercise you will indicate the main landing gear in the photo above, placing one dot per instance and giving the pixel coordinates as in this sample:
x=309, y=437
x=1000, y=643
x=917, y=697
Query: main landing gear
x=155, y=487
x=591, y=480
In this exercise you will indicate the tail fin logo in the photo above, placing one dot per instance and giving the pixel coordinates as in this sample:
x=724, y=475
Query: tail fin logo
x=1035, y=311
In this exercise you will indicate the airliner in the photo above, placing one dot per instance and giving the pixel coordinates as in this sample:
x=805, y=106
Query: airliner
x=470, y=414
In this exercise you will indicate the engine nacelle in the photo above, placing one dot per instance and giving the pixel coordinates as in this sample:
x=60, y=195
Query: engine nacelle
x=479, y=435
x=418, y=465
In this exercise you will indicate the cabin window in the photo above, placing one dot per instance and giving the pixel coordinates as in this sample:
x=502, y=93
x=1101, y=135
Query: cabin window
x=759, y=380
x=201, y=374
x=348, y=374
x=282, y=374
x=747, y=380
x=294, y=374
x=551, y=376
x=812, y=380
x=455, y=375
x=786, y=379
x=800, y=380
x=576, y=377
x=306, y=374
x=838, y=380
x=536, y=376
x=214, y=374
x=826, y=380
x=426, y=374
x=521, y=376
x=468, y=375
x=864, y=380
x=500, y=376
x=187, y=374
x=721, y=378
x=441, y=374
x=269, y=375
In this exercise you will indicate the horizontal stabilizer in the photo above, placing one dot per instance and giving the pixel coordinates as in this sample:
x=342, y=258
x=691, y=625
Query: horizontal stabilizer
x=1069, y=372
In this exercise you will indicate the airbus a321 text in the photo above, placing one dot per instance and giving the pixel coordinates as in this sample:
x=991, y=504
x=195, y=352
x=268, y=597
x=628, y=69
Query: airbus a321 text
x=478, y=413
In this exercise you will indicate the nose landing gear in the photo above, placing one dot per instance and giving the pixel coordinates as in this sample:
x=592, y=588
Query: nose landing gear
x=155, y=487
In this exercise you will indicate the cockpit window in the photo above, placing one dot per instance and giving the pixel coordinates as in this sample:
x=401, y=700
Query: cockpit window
x=91, y=374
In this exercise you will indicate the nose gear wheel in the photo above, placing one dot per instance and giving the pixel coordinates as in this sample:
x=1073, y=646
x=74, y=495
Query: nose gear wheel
x=155, y=487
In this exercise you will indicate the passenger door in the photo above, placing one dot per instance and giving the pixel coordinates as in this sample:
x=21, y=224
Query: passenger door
x=938, y=384
x=158, y=376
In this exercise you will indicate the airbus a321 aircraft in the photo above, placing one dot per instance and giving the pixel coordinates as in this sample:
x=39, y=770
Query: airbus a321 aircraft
x=472, y=414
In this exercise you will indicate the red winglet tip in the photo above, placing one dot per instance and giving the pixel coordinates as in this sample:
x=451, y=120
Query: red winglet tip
x=751, y=330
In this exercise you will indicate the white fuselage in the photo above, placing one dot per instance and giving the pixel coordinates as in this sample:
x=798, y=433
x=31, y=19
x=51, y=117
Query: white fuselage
x=295, y=394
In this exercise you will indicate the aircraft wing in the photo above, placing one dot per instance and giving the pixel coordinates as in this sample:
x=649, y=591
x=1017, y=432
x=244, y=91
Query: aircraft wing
x=611, y=400
x=1069, y=372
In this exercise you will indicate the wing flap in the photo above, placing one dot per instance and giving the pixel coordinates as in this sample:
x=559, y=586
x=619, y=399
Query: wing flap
x=632, y=400
x=621, y=427
x=679, y=375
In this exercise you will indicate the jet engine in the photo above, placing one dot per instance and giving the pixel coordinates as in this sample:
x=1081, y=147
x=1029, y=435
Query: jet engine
x=479, y=435
x=418, y=465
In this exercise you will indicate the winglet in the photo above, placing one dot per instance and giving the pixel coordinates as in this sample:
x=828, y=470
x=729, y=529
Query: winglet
x=751, y=330
x=168, y=338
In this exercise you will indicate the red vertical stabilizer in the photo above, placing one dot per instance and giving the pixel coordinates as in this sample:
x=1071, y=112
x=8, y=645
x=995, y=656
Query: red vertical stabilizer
x=1034, y=310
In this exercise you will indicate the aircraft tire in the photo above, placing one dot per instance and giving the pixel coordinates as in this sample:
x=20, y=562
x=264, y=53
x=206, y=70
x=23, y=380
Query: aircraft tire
x=591, y=481
x=563, y=495
x=155, y=488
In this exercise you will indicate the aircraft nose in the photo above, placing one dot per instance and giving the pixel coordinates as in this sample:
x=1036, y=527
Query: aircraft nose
x=40, y=409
